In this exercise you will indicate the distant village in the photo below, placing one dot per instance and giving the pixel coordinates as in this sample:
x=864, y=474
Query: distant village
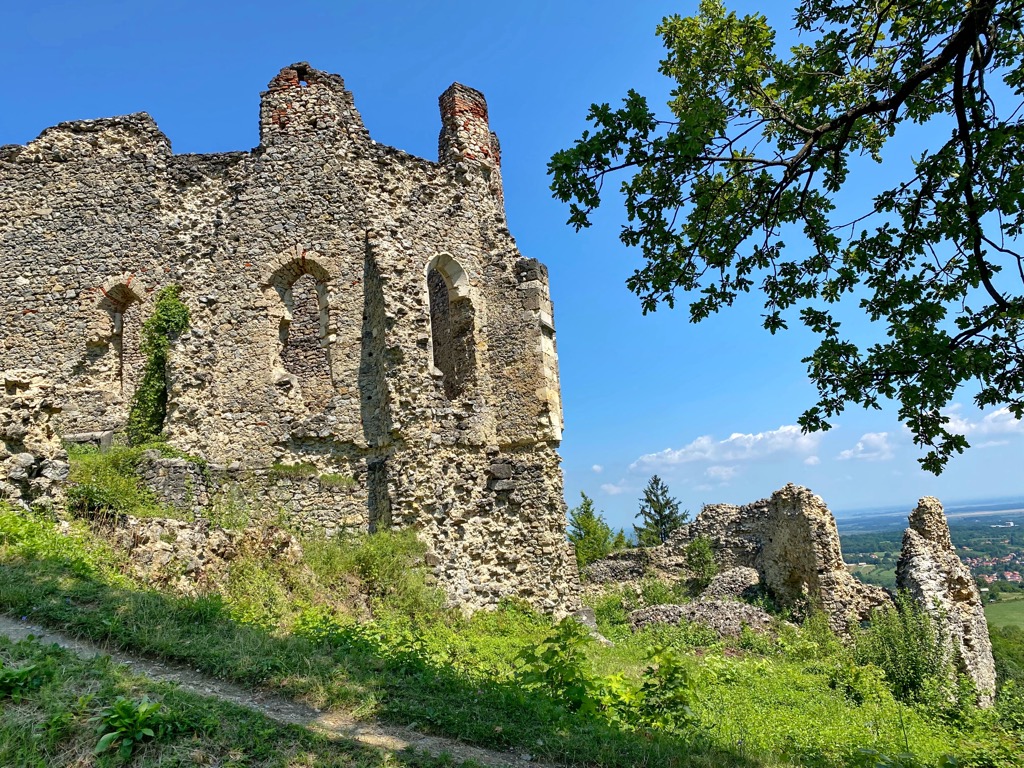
x=993, y=551
x=991, y=568
x=1000, y=570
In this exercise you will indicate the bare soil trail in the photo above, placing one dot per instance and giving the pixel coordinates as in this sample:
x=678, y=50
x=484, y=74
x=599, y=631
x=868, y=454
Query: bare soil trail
x=335, y=725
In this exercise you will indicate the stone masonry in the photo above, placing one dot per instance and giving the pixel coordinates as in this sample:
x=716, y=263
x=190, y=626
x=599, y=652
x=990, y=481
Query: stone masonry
x=791, y=540
x=33, y=462
x=932, y=572
x=353, y=307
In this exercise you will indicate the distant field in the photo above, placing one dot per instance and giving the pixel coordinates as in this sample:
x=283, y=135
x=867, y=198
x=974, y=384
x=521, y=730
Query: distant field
x=1006, y=612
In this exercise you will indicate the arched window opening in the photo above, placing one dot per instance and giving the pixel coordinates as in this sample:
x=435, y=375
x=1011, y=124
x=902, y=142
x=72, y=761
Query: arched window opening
x=451, y=326
x=125, y=310
x=305, y=352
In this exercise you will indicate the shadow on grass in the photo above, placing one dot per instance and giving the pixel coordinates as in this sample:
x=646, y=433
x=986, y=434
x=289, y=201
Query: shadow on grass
x=350, y=669
x=51, y=723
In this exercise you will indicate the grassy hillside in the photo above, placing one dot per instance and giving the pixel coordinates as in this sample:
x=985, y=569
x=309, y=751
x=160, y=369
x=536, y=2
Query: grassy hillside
x=1007, y=611
x=357, y=626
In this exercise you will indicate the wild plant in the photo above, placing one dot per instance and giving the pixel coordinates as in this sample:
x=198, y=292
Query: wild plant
x=126, y=723
x=558, y=667
x=904, y=642
x=16, y=682
x=666, y=693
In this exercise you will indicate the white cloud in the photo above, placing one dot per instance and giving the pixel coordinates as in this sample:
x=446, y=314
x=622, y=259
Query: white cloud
x=812, y=461
x=872, y=446
x=992, y=443
x=998, y=422
x=614, y=489
x=720, y=473
x=737, y=447
x=597, y=469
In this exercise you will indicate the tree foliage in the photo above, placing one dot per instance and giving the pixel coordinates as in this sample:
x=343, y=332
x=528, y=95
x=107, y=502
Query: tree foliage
x=659, y=513
x=758, y=149
x=588, y=531
x=149, y=403
x=700, y=562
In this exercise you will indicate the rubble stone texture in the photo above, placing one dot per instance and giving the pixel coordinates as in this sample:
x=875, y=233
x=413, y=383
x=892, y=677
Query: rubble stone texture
x=191, y=557
x=726, y=617
x=733, y=583
x=33, y=462
x=353, y=307
x=930, y=570
x=791, y=540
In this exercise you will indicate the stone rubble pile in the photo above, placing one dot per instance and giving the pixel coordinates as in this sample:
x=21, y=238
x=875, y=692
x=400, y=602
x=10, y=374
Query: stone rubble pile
x=727, y=618
x=192, y=557
x=734, y=583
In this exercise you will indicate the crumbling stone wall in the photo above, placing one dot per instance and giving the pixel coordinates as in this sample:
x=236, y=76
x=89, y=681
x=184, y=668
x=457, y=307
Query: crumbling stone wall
x=193, y=557
x=791, y=540
x=788, y=542
x=931, y=571
x=305, y=265
x=33, y=462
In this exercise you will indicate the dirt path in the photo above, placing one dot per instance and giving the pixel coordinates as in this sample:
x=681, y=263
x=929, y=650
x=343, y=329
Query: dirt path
x=331, y=724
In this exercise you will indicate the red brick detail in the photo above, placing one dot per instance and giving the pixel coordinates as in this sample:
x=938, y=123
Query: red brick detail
x=286, y=78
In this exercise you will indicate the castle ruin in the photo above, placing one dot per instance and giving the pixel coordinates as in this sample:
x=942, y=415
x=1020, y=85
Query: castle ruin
x=353, y=308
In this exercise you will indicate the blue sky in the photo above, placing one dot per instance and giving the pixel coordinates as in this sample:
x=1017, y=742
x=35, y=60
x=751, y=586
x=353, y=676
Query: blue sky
x=711, y=408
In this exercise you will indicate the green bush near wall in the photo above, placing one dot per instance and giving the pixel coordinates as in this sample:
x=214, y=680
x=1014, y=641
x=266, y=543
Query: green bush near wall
x=149, y=404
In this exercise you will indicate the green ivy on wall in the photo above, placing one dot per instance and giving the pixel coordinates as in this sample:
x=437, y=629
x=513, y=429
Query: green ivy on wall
x=149, y=404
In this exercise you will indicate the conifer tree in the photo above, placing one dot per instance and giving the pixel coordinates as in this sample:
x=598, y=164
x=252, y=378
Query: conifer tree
x=660, y=514
x=589, y=532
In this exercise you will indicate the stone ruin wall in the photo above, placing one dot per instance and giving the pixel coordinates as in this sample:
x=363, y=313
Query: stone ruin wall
x=788, y=546
x=308, y=266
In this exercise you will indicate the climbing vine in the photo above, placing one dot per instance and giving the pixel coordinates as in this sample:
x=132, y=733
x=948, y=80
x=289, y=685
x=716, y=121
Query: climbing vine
x=149, y=404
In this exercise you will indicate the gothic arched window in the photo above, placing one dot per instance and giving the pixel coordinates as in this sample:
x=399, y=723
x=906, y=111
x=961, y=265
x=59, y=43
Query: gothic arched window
x=452, y=345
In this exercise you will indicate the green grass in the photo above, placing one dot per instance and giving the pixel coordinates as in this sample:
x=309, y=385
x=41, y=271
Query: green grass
x=307, y=631
x=103, y=485
x=55, y=723
x=297, y=471
x=1007, y=611
x=335, y=480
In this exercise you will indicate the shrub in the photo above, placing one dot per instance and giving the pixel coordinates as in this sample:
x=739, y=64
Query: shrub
x=107, y=484
x=1010, y=706
x=149, y=404
x=700, y=562
x=255, y=593
x=390, y=564
x=610, y=613
x=654, y=591
x=666, y=693
x=903, y=641
x=558, y=667
x=318, y=625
